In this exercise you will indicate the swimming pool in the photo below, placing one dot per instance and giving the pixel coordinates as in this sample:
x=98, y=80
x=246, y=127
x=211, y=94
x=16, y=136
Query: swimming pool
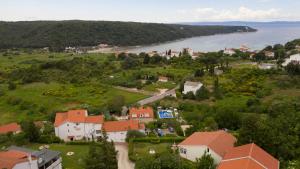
x=165, y=114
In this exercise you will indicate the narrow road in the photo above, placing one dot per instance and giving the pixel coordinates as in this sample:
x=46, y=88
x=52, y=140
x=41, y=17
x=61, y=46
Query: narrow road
x=123, y=160
x=155, y=98
x=134, y=90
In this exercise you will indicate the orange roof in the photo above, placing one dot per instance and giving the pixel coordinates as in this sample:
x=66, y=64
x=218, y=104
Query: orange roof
x=8, y=159
x=218, y=141
x=76, y=116
x=12, y=127
x=114, y=126
x=254, y=155
x=163, y=78
x=141, y=112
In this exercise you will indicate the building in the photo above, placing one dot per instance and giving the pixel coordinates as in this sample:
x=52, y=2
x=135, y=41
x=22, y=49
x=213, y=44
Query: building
x=163, y=79
x=191, y=87
x=244, y=48
x=293, y=58
x=22, y=158
x=143, y=114
x=188, y=51
x=10, y=128
x=269, y=54
x=77, y=125
x=215, y=143
x=248, y=156
x=117, y=130
x=229, y=51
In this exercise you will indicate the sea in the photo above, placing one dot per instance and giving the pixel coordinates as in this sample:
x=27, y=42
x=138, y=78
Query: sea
x=267, y=34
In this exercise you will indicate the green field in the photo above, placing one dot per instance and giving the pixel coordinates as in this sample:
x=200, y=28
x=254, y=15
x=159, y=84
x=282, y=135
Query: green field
x=75, y=161
x=142, y=149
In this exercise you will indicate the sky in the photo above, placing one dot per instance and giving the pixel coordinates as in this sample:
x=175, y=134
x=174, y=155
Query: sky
x=159, y=11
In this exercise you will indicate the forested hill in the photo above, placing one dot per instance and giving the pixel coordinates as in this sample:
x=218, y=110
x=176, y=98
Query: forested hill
x=36, y=34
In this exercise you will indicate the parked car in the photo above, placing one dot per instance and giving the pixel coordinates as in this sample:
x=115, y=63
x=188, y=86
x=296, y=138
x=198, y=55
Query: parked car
x=171, y=129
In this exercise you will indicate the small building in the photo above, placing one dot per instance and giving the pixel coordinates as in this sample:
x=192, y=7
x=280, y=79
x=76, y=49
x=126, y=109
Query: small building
x=215, y=143
x=10, y=128
x=248, y=156
x=188, y=51
x=117, y=130
x=292, y=58
x=143, y=114
x=163, y=79
x=23, y=158
x=77, y=125
x=244, y=48
x=269, y=54
x=191, y=87
x=229, y=51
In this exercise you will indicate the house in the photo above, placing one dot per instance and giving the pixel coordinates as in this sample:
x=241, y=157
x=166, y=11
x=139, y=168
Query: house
x=248, y=156
x=293, y=58
x=215, y=143
x=244, y=48
x=269, y=54
x=144, y=114
x=188, y=51
x=22, y=158
x=163, y=79
x=77, y=125
x=229, y=51
x=10, y=128
x=191, y=87
x=117, y=130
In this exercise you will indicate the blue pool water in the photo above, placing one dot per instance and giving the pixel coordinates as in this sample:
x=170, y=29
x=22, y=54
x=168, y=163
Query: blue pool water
x=165, y=114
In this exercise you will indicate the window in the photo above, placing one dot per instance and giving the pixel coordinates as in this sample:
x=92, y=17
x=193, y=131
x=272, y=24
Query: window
x=182, y=150
x=68, y=130
x=208, y=150
x=77, y=124
x=68, y=125
x=98, y=131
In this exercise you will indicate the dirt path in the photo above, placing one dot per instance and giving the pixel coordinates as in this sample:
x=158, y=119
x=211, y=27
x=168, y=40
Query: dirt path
x=123, y=160
x=134, y=90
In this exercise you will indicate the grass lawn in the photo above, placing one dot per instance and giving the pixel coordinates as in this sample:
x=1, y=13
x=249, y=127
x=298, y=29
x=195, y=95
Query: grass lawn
x=159, y=85
x=57, y=97
x=69, y=162
x=142, y=149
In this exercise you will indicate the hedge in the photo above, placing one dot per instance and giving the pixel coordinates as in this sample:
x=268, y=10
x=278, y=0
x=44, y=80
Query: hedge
x=157, y=140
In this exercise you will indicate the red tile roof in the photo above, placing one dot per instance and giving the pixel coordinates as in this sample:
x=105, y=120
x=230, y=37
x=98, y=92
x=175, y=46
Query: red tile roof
x=115, y=126
x=76, y=116
x=12, y=127
x=248, y=156
x=8, y=159
x=218, y=141
x=141, y=112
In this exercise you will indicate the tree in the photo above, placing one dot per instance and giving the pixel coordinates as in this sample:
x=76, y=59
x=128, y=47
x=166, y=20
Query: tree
x=189, y=95
x=217, y=90
x=134, y=134
x=199, y=73
x=202, y=94
x=146, y=59
x=116, y=103
x=205, y=162
x=30, y=130
x=11, y=85
x=129, y=63
x=293, y=68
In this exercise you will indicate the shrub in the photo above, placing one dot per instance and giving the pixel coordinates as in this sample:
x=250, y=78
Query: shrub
x=11, y=85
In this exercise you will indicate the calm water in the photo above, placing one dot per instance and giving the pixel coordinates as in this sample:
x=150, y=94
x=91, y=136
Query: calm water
x=266, y=35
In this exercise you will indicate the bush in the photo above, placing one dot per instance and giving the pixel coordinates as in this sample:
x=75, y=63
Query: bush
x=134, y=134
x=14, y=101
x=11, y=85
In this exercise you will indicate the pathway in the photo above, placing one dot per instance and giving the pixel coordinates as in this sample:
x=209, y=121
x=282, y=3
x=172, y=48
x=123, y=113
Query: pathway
x=123, y=160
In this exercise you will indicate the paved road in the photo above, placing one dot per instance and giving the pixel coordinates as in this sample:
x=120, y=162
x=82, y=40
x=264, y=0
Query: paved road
x=158, y=97
x=123, y=160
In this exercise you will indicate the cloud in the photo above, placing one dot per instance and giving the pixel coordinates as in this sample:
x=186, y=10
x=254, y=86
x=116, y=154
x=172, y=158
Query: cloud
x=242, y=13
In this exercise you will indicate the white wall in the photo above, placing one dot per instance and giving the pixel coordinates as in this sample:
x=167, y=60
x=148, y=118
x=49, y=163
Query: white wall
x=56, y=164
x=193, y=89
x=78, y=130
x=194, y=152
x=27, y=165
x=118, y=136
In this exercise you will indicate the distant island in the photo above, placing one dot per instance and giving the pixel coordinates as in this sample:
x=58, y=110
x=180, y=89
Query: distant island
x=61, y=34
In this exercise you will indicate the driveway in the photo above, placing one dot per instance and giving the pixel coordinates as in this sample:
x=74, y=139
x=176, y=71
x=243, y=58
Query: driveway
x=123, y=160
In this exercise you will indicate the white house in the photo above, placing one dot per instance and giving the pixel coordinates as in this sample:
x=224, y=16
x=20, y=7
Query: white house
x=229, y=51
x=191, y=87
x=77, y=125
x=215, y=143
x=117, y=130
x=295, y=58
x=163, y=79
x=22, y=158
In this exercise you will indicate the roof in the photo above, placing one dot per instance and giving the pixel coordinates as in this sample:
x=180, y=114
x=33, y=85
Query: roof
x=115, y=126
x=195, y=84
x=218, y=141
x=144, y=112
x=76, y=116
x=45, y=154
x=163, y=78
x=8, y=159
x=12, y=127
x=248, y=156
